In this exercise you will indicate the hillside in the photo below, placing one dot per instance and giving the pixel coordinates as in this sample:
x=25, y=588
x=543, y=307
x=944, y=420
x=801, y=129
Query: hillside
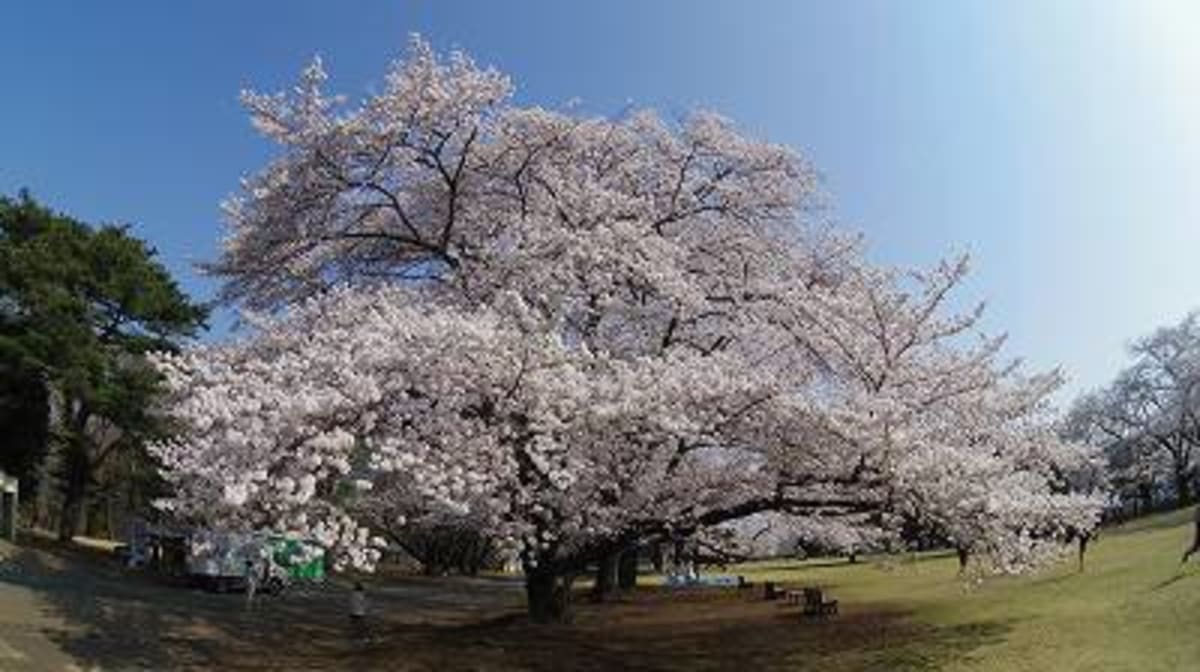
x=1134, y=607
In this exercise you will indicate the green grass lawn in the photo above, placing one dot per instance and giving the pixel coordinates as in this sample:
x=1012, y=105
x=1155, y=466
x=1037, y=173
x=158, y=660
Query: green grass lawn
x=1134, y=608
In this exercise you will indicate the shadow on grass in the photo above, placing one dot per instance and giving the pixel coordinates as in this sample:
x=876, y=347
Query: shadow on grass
x=1179, y=575
x=731, y=634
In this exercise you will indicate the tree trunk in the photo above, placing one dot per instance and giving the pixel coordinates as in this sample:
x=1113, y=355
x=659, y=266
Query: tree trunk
x=69, y=519
x=657, y=556
x=1183, y=487
x=853, y=558
x=77, y=466
x=548, y=595
x=627, y=569
x=606, y=577
x=1195, y=547
x=963, y=556
x=108, y=518
x=42, y=514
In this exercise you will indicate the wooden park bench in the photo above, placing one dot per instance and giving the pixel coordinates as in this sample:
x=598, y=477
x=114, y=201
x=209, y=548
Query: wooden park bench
x=815, y=603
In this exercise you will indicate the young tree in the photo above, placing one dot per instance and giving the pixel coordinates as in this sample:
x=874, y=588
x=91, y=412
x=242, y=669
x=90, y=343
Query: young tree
x=584, y=333
x=78, y=308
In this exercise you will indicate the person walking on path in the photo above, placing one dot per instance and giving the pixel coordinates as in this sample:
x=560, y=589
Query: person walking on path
x=251, y=584
x=358, y=613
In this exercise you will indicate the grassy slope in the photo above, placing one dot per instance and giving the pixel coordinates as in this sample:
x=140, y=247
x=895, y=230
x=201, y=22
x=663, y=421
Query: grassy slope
x=1135, y=607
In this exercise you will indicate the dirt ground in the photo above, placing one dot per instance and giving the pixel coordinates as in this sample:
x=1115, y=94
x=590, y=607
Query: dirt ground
x=74, y=609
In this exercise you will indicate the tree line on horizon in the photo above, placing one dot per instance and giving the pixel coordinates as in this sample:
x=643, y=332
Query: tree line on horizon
x=1147, y=421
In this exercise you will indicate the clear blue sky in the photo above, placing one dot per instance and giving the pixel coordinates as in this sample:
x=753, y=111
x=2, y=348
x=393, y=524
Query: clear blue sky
x=1058, y=142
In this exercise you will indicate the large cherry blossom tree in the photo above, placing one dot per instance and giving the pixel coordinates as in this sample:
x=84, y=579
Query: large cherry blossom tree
x=581, y=333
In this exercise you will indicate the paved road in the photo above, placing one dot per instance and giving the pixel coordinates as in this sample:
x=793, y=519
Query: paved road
x=27, y=627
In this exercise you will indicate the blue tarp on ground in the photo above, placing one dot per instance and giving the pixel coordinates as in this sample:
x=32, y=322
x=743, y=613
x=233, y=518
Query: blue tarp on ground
x=683, y=581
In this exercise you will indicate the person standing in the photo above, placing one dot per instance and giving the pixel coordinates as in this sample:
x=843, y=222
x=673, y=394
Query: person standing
x=358, y=612
x=251, y=584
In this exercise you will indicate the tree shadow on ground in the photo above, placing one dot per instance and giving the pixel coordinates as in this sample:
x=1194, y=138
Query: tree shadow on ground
x=104, y=619
x=107, y=617
x=728, y=632
x=104, y=616
x=1179, y=575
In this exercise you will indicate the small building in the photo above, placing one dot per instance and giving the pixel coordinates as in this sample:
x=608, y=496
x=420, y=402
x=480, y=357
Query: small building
x=9, y=487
